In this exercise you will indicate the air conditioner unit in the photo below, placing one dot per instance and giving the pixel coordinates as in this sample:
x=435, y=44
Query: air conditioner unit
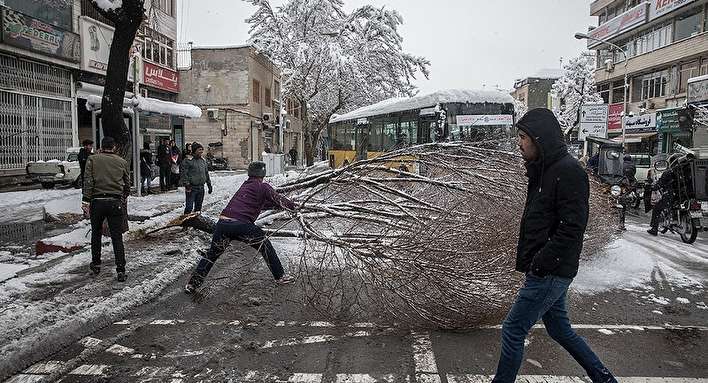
x=609, y=65
x=213, y=114
x=267, y=117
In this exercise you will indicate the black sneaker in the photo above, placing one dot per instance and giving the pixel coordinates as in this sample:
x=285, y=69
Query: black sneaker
x=653, y=232
x=121, y=277
x=94, y=268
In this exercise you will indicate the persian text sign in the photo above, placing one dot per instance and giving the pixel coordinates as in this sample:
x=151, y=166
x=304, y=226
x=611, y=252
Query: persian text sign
x=658, y=8
x=614, y=117
x=161, y=78
x=26, y=32
x=644, y=122
x=593, y=121
x=622, y=23
x=484, y=120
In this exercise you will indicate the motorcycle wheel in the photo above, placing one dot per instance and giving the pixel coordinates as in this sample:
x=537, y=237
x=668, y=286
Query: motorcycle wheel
x=689, y=231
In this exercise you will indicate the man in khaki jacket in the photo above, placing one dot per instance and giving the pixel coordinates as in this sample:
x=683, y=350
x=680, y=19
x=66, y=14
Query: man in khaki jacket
x=106, y=186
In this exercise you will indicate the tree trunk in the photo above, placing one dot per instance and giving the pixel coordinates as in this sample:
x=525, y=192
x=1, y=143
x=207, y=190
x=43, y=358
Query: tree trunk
x=309, y=135
x=127, y=20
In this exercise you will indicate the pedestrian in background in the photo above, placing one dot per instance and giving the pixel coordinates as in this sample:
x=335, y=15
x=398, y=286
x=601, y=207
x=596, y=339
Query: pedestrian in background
x=194, y=175
x=84, y=153
x=236, y=222
x=145, y=168
x=293, y=156
x=550, y=241
x=106, y=187
x=164, y=161
x=175, y=163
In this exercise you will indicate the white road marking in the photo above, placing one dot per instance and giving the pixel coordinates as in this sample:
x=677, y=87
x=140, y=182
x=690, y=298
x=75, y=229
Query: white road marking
x=45, y=367
x=305, y=378
x=90, y=342
x=367, y=378
x=120, y=350
x=184, y=354
x=452, y=378
x=312, y=339
x=155, y=372
x=25, y=378
x=163, y=322
x=426, y=369
x=90, y=369
x=124, y=322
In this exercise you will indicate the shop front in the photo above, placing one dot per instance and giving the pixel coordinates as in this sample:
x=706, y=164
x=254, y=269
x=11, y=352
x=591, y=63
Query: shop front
x=640, y=134
x=671, y=131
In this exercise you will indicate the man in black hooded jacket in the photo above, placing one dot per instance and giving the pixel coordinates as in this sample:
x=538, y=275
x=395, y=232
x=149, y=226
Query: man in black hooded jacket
x=550, y=242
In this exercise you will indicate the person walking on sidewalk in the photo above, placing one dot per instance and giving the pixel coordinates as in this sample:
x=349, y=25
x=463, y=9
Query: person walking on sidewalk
x=84, y=153
x=145, y=168
x=106, y=186
x=195, y=174
x=550, y=242
x=237, y=222
x=164, y=161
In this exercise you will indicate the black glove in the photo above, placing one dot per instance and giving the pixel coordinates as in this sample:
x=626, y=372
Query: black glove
x=210, y=189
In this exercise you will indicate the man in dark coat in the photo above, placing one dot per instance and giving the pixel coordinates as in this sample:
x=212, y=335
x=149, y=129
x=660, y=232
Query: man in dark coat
x=164, y=161
x=550, y=242
x=629, y=169
x=84, y=153
x=665, y=186
x=237, y=222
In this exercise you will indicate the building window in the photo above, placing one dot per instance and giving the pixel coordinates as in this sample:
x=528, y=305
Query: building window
x=268, y=99
x=687, y=71
x=276, y=90
x=618, y=91
x=296, y=109
x=166, y=6
x=157, y=48
x=256, y=91
x=651, y=85
x=704, y=67
x=688, y=24
x=604, y=91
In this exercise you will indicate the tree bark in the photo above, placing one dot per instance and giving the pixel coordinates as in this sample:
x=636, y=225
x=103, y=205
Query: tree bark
x=126, y=20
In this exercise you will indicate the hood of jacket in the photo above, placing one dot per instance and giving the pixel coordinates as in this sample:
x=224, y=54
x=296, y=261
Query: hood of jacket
x=543, y=127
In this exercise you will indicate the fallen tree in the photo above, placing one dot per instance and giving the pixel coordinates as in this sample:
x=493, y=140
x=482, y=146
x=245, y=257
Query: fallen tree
x=429, y=242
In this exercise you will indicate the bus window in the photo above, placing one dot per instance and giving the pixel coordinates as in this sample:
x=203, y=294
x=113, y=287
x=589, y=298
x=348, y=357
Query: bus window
x=389, y=136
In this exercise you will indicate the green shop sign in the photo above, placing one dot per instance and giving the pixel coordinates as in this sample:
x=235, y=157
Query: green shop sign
x=667, y=120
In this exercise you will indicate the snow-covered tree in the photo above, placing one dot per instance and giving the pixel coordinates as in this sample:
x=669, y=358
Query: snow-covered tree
x=576, y=88
x=334, y=61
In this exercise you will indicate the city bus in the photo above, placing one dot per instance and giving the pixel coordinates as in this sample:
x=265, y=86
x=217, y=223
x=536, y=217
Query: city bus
x=455, y=115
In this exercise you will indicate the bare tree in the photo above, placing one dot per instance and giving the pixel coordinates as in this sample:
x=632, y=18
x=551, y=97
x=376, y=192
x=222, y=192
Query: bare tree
x=431, y=242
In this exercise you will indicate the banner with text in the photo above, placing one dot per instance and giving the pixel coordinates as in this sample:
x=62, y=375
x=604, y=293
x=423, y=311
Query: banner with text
x=484, y=120
x=161, y=78
x=29, y=33
x=593, y=121
x=658, y=8
x=614, y=118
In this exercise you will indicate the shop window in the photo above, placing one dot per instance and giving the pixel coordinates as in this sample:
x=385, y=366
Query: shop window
x=687, y=71
x=256, y=92
x=688, y=24
x=268, y=99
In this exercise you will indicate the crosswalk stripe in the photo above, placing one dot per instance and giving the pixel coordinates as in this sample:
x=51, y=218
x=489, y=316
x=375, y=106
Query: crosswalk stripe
x=453, y=378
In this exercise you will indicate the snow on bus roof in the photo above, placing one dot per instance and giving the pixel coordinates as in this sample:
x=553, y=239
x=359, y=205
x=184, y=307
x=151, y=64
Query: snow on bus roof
x=398, y=104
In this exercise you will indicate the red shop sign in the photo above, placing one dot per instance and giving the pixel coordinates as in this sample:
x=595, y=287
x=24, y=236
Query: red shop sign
x=614, y=117
x=161, y=78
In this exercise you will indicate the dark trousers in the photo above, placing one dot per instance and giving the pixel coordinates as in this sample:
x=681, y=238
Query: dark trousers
x=194, y=199
x=165, y=176
x=544, y=297
x=145, y=183
x=659, y=209
x=109, y=209
x=245, y=232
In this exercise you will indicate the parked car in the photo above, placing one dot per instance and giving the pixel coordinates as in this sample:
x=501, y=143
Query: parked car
x=642, y=162
x=57, y=172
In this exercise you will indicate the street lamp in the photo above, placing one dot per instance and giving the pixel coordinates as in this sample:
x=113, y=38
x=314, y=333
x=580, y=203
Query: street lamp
x=585, y=36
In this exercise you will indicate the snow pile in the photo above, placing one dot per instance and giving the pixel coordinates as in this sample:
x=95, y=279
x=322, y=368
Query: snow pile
x=631, y=260
x=427, y=101
x=153, y=105
x=549, y=73
x=109, y=5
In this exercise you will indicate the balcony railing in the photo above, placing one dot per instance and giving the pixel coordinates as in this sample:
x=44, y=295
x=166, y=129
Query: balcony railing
x=88, y=9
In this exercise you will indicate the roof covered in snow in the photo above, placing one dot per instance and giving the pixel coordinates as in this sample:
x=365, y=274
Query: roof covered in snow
x=549, y=73
x=430, y=100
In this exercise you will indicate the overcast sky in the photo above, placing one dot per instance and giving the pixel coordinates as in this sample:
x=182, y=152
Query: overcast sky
x=470, y=43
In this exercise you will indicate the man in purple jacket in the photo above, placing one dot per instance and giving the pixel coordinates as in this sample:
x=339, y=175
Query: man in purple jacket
x=237, y=222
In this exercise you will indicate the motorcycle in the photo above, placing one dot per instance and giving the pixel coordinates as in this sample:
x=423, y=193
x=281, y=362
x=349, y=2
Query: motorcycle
x=626, y=195
x=688, y=189
x=213, y=162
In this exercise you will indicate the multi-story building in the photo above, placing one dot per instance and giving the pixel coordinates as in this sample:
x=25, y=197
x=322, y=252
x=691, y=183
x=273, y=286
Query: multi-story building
x=535, y=91
x=244, y=112
x=666, y=44
x=39, y=60
x=53, y=55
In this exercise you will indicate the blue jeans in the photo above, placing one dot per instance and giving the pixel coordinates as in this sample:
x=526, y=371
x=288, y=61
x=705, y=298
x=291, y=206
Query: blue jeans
x=245, y=232
x=194, y=199
x=544, y=297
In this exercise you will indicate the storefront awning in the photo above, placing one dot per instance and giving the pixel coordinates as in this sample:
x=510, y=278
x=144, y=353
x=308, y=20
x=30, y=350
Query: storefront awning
x=633, y=138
